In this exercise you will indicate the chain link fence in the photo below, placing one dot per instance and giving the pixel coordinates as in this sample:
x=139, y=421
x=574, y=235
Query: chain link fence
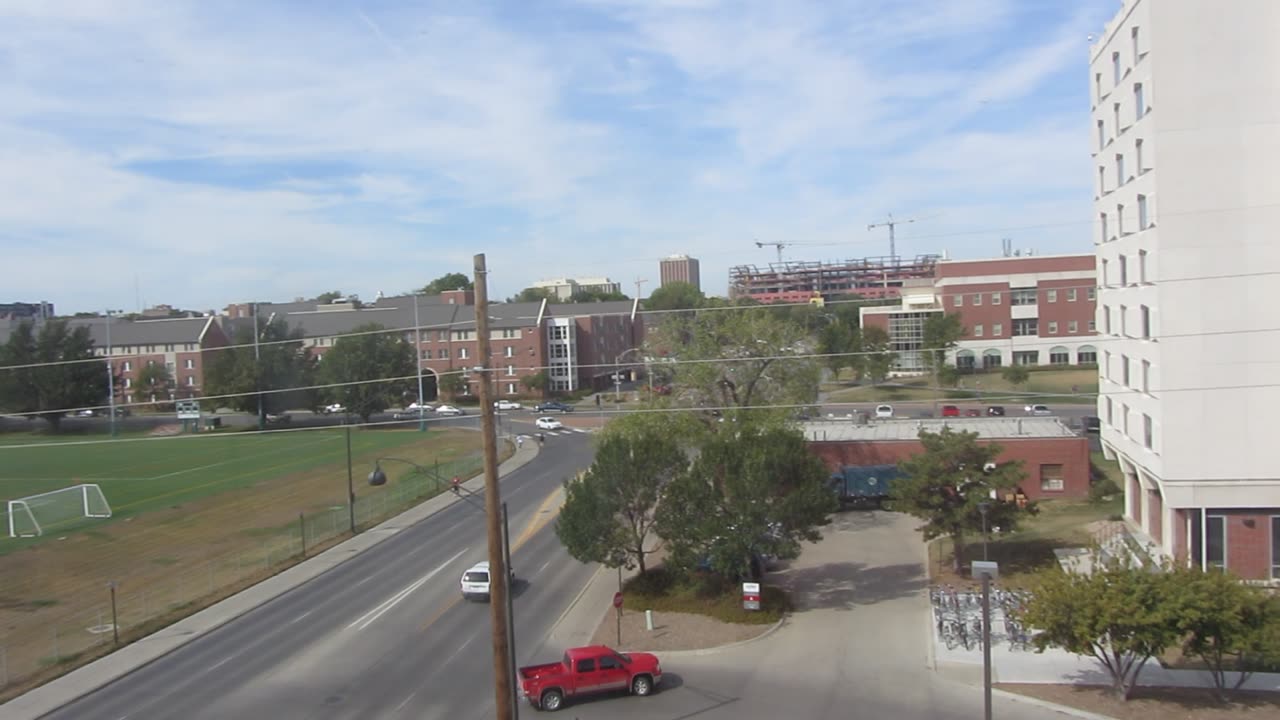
x=117, y=613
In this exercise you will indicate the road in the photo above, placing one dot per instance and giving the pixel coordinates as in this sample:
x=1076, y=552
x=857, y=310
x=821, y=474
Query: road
x=385, y=635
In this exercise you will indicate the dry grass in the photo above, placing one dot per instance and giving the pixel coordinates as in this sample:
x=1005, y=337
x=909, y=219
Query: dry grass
x=1180, y=703
x=1044, y=386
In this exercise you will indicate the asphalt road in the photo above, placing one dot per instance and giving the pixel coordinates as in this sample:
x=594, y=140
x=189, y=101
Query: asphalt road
x=385, y=635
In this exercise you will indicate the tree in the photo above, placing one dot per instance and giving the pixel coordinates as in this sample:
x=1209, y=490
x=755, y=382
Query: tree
x=941, y=333
x=282, y=371
x=40, y=375
x=1119, y=614
x=757, y=490
x=675, y=296
x=448, y=281
x=1015, y=375
x=538, y=381
x=1230, y=626
x=874, y=360
x=369, y=370
x=608, y=514
x=325, y=298
x=743, y=358
x=837, y=341
x=451, y=383
x=945, y=483
x=594, y=295
x=532, y=294
x=154, y=379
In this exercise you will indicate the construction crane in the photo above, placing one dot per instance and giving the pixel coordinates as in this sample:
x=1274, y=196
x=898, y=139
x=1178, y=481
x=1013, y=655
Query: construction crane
x=777, y=245
x=891, y=224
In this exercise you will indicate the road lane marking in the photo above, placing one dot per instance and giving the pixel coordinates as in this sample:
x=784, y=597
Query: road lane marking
x=368, y=618
x=544, y=567
x=543, y=515
x=458, y=652
x=439, y=614
x=412, y=695
x=300, y=617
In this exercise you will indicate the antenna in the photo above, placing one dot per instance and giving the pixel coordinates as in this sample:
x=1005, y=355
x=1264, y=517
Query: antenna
x=891, y=224
x=777, y=245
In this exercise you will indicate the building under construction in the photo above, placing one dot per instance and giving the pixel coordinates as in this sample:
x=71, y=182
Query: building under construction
x=874, y=277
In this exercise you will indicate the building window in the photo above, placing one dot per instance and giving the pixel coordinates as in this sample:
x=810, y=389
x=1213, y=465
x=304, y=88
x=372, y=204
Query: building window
x=1087, y=355
x=1143, y=221
x=1026, y=357
x=1106, y=319
x=191, y=381
x=1124, y=370
x=997, y=329
x=1215, y=545
x=1102, y=181
x=1119, y=220
x=508, y=351
x=1139, y=102
x=1073, y=327
x=1124, y=324
x=126, y=366
x=128, y=383
x=1059, y=356
x=1110, y=412
x=1071, y=295
x=1053, y=328
x=444, y=353
x=1052, y=478
x=1115, y=110
x=995, y=298
x=1093, y=326
x=1148, y=432
x=511, y=369
x=1124, y=271
x=1106, y=364
x=1144, y=321
x=1137, y=156
x=189, y=364
x=426, y=354
x=1106, y=272
x=1025, y=327
x=958, y=300
x=977, y=299
x=462, y=353
x=151, y=348
x=991, y=359
x=1124, y=419
x=1115, y=68
x=1146, y=376
x=1021, y=296
x=1275, y=547
x=1051, y=296
x=1120, y=176
x=1142, y=266
x=1097, y=88
x=977, y=330
x=1102, y=136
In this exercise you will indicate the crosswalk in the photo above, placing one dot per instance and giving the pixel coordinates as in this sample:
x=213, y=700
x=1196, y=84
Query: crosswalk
x=561, y=431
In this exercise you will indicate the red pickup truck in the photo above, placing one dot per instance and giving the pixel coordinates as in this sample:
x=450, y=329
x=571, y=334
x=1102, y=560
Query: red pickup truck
x=588, y=670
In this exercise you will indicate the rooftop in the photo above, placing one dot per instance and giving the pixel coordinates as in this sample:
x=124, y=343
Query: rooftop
x=988, y=428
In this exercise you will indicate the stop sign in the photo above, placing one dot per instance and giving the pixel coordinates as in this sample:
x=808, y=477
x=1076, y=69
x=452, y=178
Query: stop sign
x=617, y=599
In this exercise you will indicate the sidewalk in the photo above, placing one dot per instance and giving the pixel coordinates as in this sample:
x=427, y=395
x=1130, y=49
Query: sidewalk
x=103, y=671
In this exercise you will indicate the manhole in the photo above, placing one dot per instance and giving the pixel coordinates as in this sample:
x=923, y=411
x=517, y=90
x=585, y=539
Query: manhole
x=101, y=629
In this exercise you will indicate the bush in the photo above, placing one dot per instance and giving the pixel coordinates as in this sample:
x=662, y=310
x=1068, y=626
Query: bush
x=665, y=590
x=1101, y=486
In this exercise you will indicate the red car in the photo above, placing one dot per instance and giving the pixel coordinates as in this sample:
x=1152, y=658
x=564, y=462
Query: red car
x=973, y=412
x=950, y=411
x=589, y=670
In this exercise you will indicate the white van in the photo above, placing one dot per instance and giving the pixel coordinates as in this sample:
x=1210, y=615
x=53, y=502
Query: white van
x=475, y=581
x=884, y=412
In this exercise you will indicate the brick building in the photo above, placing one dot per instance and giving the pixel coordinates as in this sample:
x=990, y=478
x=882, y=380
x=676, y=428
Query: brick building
x=679, y=268
x=184, y=346
x=1055, y=459
x=1023, y=310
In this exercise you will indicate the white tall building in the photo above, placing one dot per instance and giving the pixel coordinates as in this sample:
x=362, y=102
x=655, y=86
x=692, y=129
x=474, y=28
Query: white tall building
x=1186, y=149
x=565, y=288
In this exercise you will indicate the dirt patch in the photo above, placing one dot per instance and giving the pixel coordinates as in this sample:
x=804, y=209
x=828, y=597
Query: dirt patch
x=672, y=631
x=56, y=600
x=1168, y=703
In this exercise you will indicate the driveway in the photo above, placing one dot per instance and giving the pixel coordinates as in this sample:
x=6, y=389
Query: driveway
x=856, y=647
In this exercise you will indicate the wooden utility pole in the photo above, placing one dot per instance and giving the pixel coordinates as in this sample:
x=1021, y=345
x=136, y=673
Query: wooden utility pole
x=499, y=575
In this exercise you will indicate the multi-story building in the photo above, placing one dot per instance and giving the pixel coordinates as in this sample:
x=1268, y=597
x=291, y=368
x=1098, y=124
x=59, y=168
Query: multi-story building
x=183, y=346
x=793, y=282
x=566, y=288
x=679, y=268
x=1185, y=100
x=42, y=310
x=1023, y=310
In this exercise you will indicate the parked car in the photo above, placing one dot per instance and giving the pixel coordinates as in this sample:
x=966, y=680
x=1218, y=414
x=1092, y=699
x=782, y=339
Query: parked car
x=1092, y=424
x=475, y=581
x=950, y=411
x=413, y=406
x=552, y=406
x=507, y=405
x=589, y=670
x=884, y=412
x=995, y=411
x=973, y=412
x=1038, y=410
x=448, y=410
x=548, y=423
x=333, y=408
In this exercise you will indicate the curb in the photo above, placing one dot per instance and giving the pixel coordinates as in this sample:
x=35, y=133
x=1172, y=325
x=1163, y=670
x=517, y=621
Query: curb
x=1064, y=709
x=44, y=699
x=720, y=648
x=577, y=598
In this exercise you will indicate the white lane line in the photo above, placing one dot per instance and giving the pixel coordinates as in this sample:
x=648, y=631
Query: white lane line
x=458, y=652
x=367, y=619
x=300, y=617
x=544, y=567
x=412, y=695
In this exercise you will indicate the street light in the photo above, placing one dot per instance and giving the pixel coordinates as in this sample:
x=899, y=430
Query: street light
x=617, y=373
x=417, y=350
x=983, y=507
x=111, y=376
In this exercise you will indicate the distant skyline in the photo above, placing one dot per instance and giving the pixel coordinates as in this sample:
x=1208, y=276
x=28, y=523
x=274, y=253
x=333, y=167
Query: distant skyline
x=235, y=151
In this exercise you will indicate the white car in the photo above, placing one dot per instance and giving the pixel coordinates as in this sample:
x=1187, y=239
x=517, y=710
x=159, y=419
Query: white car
x=448, y=410
x=884, y=412
x=507, y=405
x=475, y=581
x=334, y=408
x=1038, y=410
x=413, y=406
x=548, y=423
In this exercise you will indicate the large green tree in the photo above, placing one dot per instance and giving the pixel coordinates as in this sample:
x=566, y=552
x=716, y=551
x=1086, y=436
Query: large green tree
x=738, y=358
x=755, y=490
x=154, y=381
x=594, y=295
x=448, y=281
x=874, y=359
x=368, y=370
x=608, y=515
x=41, y=374
x=533, y=294
x=1120, y=614
x=945, y=484
x=1015, y=375
x=675, y=296
x=941, y=333
x=281, y=368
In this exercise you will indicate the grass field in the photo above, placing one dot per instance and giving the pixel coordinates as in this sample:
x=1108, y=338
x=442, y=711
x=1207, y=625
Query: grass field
x=192, y=517
x=1046, y=386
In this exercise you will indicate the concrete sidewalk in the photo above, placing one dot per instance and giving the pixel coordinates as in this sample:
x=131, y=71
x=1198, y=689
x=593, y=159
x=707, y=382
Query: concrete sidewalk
x=103, y=671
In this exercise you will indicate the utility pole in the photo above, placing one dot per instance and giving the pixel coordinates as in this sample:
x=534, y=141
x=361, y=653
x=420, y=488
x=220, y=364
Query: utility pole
x=111, y=379
x=499, y=575
x=891, y=224
x=777, y=245
x=417, y=351
x=257, y=371
x=639, y=282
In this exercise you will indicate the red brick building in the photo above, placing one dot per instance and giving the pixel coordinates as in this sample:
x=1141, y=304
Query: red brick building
x=183, y=346
x=1055, y=459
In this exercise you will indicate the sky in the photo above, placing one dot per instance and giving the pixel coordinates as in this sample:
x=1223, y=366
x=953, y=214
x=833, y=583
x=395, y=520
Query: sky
x=204, y=153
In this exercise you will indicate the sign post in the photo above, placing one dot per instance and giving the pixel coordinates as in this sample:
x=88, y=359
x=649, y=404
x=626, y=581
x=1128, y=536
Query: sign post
x=988, y=571
x=750, y=596
x=617, y=607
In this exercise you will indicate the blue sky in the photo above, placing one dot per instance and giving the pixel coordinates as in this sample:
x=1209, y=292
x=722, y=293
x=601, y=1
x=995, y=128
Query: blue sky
x=230, y=151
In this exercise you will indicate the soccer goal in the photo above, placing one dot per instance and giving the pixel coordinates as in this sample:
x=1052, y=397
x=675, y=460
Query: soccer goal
x=37, y=514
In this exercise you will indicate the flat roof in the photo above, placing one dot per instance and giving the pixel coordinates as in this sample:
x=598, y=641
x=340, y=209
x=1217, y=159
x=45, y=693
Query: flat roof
x=988, y=428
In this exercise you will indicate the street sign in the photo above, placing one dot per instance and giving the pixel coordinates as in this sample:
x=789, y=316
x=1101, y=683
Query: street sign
x=982, y=567
x=188, y=409
x=750, y=596
x=617, y=600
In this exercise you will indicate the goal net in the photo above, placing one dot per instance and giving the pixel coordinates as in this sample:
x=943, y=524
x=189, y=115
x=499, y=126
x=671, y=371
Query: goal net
x=56, y=510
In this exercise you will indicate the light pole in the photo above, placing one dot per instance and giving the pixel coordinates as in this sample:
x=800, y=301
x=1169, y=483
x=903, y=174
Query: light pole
x=111, y=378
x=351, y=489
x=617, y=374
x=257, y=376
x=983, y=507
x=417, y=350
